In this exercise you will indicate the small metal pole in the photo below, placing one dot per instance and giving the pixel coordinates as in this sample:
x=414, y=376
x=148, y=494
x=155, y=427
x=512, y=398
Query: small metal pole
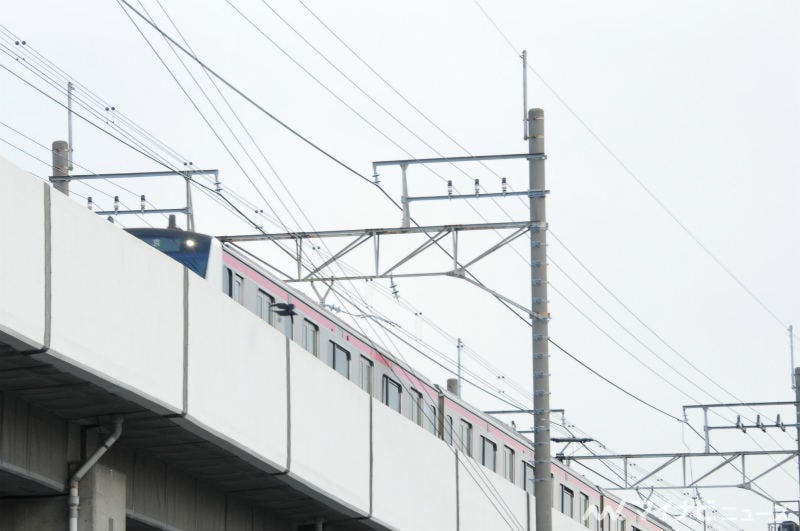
x=60, y=166
x=744, y=470
x=525, y=95
x=404, y=198
x=791, y=351
x=705, y=429
x=70, y=87
x=455, y=250
x=298, y=243
x=683, y=467
x=625, y=466
x=376, y=240
x=189, y=207
x=459, y=347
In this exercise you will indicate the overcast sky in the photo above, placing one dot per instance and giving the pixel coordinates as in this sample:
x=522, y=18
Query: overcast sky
x=671, y=133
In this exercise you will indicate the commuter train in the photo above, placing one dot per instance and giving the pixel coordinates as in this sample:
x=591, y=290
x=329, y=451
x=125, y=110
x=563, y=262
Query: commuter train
x=491, y=442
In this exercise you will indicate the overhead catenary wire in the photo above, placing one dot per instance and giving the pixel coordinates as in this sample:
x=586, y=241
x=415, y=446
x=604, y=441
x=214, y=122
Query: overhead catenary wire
x=258, y=106
x=247, y=98
x=627, y=170
x=287, y=227
x=680, y=374
x=660, y=358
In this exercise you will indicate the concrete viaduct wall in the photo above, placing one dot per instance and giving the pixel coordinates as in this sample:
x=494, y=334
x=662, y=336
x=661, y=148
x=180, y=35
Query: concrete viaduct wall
x=78, y=294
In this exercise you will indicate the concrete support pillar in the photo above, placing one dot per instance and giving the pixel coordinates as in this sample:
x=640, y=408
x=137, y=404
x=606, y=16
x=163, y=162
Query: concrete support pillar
x=103, y=500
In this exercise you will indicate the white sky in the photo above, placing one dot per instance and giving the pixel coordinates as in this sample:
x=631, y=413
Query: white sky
x=698, y=99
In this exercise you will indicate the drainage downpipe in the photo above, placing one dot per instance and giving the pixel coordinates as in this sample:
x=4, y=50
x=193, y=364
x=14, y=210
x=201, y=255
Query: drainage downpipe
x=74, y=499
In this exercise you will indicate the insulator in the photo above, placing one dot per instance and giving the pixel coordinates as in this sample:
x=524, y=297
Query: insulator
x=504, y=184
x=143, y=202
x=116, y=203
x=477, y=186
x=89, y=203
x=449, y=187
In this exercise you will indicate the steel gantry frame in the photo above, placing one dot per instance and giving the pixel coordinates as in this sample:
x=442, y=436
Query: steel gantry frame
x=685, y=459
x=736, y=460
x=707, y=429
x=435, y=234
x=61, y=179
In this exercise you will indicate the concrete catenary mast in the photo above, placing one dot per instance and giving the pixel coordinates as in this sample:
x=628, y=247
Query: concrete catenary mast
x=543, y=485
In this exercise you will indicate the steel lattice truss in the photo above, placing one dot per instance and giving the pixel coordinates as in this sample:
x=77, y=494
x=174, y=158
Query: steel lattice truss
x=713, y=463
x=436, y=235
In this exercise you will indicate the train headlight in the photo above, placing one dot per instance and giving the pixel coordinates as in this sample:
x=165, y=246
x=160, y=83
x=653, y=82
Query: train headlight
x=190, y=244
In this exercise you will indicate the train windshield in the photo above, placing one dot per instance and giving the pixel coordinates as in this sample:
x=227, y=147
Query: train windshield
x=188, y=248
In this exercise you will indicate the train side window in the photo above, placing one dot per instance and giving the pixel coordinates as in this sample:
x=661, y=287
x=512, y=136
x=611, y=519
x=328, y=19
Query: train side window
x=583, y=509
x=620, y=523
x=567, y=497
x=415, y=406
x=263, y=306
x=488, y=453
x=340, y=360
x=508, y=463
x=465, y=437
x=365, y=374
x=237, y=287
x=391, y=393
x=311, y=337
x=529, y=478
x=431, y=418
x=235, y=283
x=448, y=430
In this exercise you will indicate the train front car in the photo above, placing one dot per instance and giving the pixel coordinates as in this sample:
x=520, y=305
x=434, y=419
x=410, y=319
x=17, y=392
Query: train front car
x=200, y=253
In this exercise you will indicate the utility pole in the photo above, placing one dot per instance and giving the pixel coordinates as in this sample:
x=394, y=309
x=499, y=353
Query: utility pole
x=543, y=488
x=60, y=166
x=797, y=412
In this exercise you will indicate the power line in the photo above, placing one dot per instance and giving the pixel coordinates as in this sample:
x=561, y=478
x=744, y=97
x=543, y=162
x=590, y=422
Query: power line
x=395, y=118
x=635, y=177
x=612, y=384
x=349, y=48
x=242, y=146
x=259, y=106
